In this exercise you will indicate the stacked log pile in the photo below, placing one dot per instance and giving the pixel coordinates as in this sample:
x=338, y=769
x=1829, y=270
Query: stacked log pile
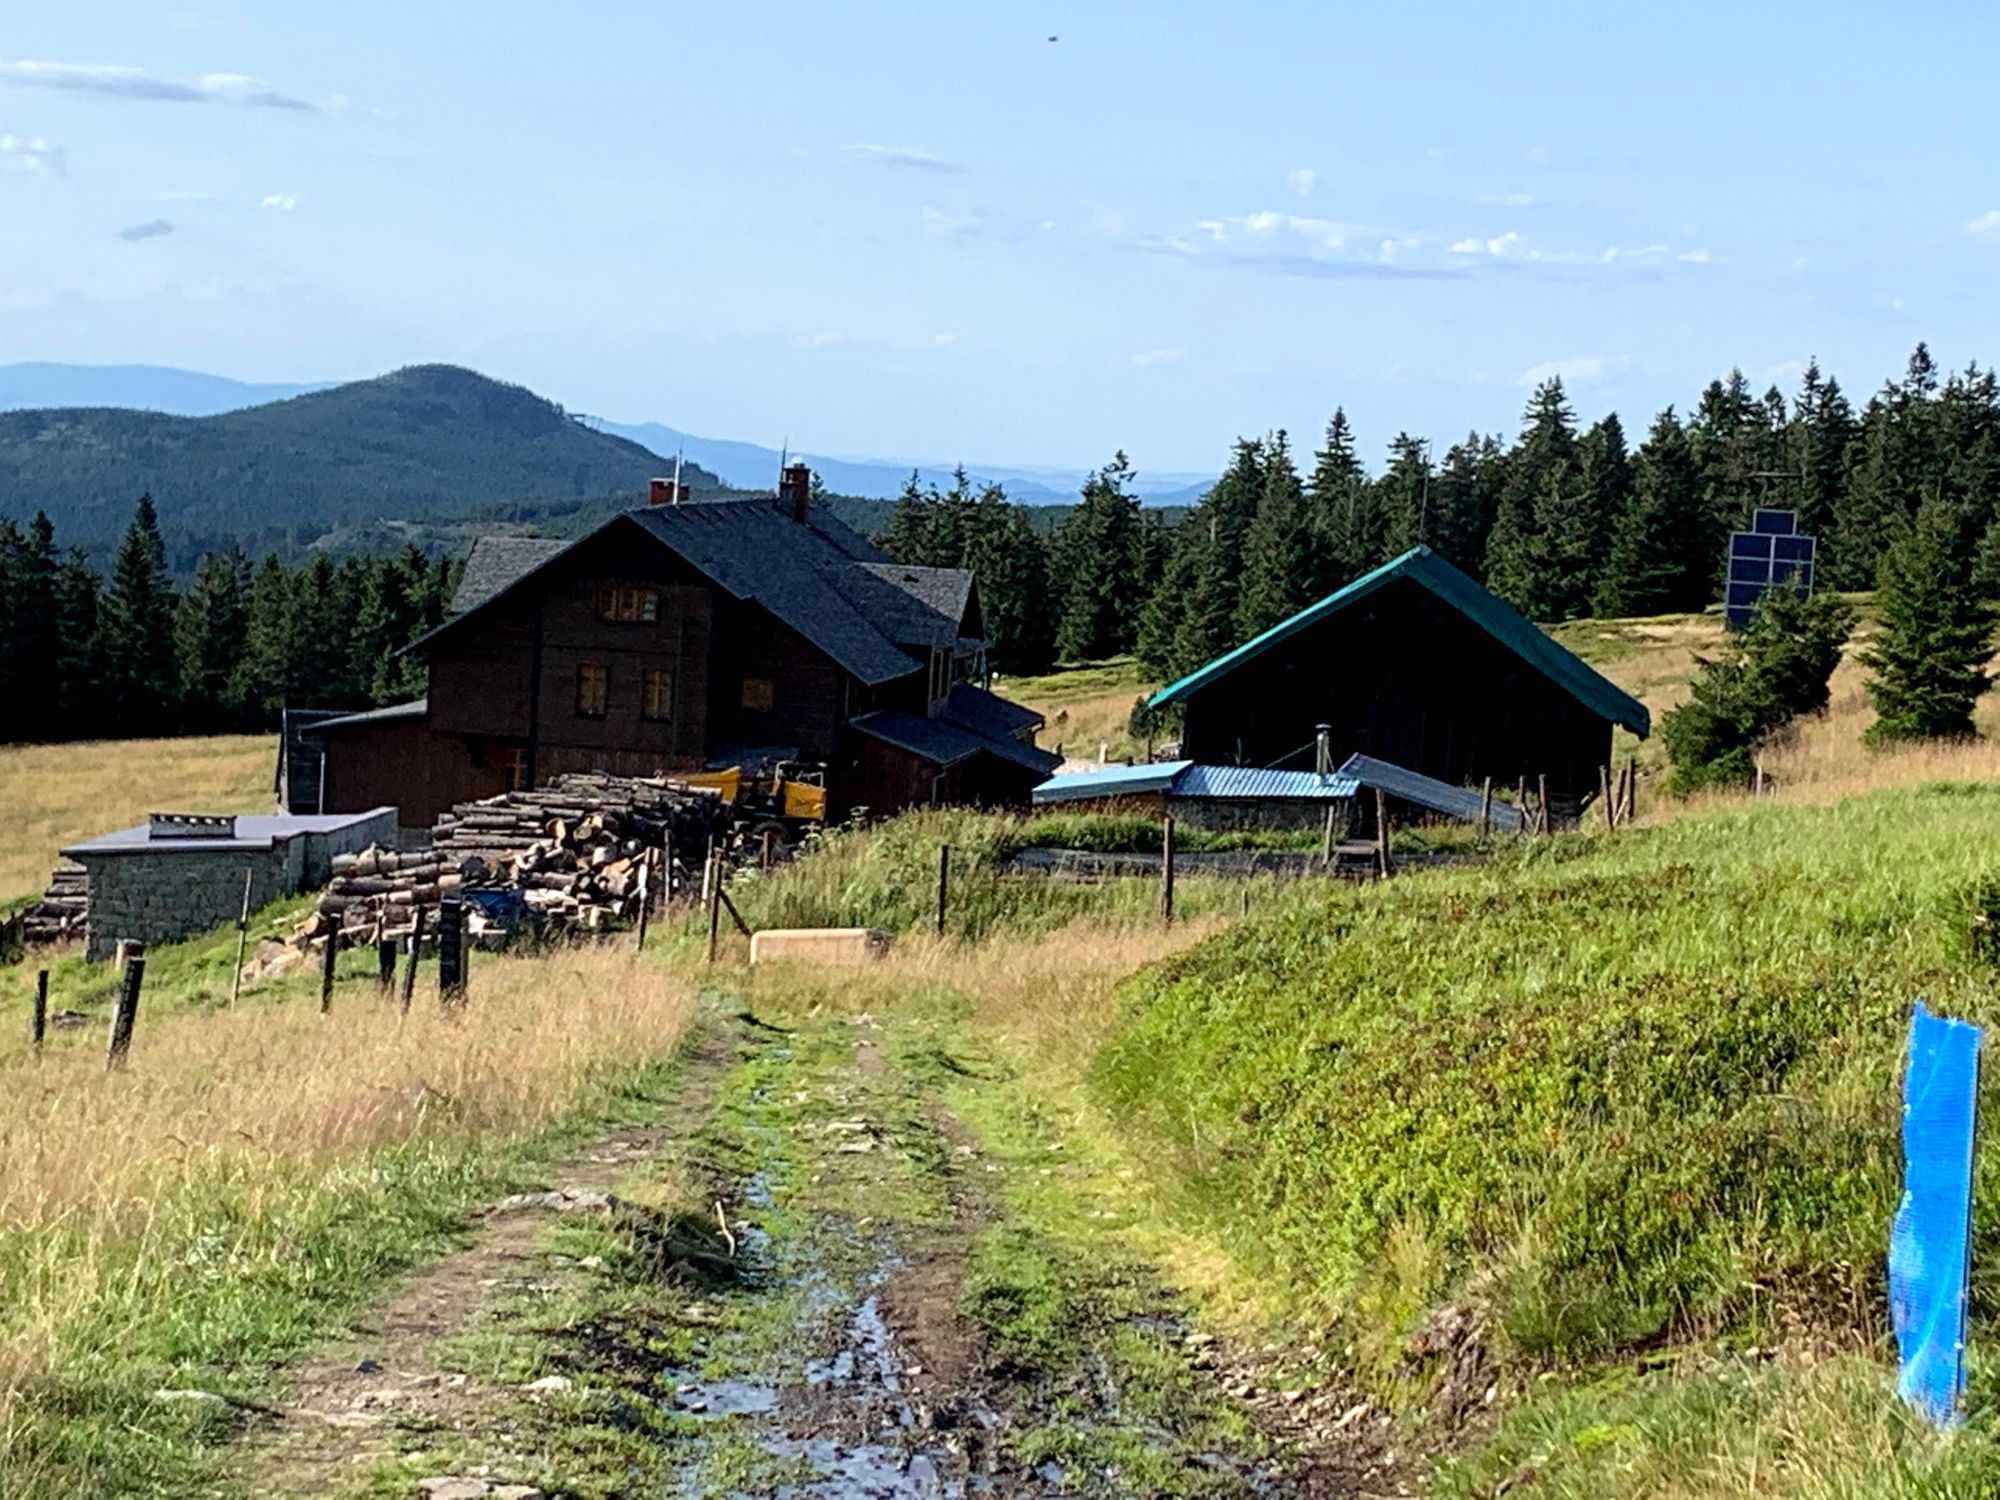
x=64, y=908
x=571, y=851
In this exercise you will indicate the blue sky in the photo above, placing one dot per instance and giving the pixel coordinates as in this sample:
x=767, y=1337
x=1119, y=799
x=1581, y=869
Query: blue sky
x=931, y=232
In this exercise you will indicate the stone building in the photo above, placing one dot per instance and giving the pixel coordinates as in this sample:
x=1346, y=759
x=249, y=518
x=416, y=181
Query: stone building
x=179, y=874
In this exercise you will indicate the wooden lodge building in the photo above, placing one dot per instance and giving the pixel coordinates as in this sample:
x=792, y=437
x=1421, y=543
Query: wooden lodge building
x=1413, y=664
x=680, y=636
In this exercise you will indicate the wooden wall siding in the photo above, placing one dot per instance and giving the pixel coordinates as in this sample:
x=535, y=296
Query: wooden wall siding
x=402, y=764
x=808, y=691
x=1402, y=677
x=883, y=779
x=480, y=676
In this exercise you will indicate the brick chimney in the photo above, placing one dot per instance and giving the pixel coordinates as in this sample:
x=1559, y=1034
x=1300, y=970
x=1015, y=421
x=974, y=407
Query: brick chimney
x=665, y=492
x=796, y=490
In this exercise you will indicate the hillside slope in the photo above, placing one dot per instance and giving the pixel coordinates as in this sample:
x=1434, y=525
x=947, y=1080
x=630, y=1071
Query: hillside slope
x=1604, y=1100
x=422, y=441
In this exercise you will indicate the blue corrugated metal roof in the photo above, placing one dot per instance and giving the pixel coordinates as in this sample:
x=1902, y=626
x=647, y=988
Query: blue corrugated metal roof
x=1500, y=620
x=1183, y=778
x=1111, y=781
x=1427, y=791
x=1255, y=783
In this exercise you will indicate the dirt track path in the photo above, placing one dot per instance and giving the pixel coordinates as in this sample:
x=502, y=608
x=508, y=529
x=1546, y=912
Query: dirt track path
x=881, y=1310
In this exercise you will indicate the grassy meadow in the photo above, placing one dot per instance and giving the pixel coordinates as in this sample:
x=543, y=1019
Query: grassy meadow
x=256, y=1173
x=54, y=795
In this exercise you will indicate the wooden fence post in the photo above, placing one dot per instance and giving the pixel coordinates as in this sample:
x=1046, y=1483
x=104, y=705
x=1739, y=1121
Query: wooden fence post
x=712, y=879
x=1486, y=807
x=1604, y=796
x=1631, y=805
x=128, y=1006
x=38, y=1022
x=944, y=884
x=327, y=961
x=1326, y=840
x=1382, y=833
x=1167, y=870
x=1521, y=824
x=451, y=950
x=242, y=939
x=410, y=968
x=1542, y=798
x=765, y=858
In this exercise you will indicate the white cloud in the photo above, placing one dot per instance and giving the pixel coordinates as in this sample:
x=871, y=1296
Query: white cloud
x=1636, y=254
x=152, y=230
x=284, y=203
x=1578, y=368
x=35, y=153
x=1699, y=256
x=1508, y=246
x=951, y=221
x=1301, y=181
x=137, y=83
x=914, y=158
x=1986, y=226
x=1506, y=200
x=1150, y=357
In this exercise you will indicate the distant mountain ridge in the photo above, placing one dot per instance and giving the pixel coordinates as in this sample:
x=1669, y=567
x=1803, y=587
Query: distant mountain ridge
x=740, y=465
x=420, y=443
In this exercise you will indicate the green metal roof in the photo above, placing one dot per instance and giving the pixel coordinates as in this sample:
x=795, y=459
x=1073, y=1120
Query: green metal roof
x=1503, y=622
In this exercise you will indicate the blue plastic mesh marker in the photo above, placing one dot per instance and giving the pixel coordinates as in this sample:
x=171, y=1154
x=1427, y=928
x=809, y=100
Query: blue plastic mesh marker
x=1930, y=1248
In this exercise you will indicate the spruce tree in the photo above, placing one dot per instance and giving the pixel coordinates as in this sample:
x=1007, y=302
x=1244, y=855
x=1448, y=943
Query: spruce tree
x=1934, y=632
x=1821, y=431
x=1275, y=570
x=1205, y=562
x=1012, y=566
x=1778, y=670
x=211, y=633
x=79, y=703
x=1098, y=551
x=1405, y=493
x=1540, y=471
x=1349, y=523
x=1663, y=549
x=1464, y=496
x=264, y=676
x=911, y=536
x=1894, y=463
x=141, y=672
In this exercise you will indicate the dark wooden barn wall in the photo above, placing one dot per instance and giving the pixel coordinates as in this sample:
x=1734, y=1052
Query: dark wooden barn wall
x=1402, y=677
x=402, y=764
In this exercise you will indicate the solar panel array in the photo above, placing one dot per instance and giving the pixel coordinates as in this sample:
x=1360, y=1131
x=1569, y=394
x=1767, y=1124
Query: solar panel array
x=1772, y=552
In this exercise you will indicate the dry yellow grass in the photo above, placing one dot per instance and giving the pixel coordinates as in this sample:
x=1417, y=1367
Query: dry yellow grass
x=281, y=1106
x=1086, y=707
x=53, y=795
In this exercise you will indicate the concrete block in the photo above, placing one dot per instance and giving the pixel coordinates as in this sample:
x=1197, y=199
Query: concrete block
x=819, y=945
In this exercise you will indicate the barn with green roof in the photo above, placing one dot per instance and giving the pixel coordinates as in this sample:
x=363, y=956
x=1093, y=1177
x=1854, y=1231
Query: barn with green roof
x=1417, y=665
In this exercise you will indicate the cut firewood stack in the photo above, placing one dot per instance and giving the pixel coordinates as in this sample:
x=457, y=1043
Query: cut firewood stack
x=63, y=909
x=570, y=853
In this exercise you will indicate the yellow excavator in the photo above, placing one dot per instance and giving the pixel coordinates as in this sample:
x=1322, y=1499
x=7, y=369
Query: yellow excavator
x=785, y=797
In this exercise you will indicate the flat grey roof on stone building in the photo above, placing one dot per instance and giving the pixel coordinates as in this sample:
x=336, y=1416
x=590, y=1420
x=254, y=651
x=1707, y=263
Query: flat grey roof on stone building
x=254, y=831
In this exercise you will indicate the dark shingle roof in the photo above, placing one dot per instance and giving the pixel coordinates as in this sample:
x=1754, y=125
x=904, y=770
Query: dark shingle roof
x=937, y=600
x=943, y=743
x=805, y=575
x=497, y=563
x=988, y=713
x=1498, y=619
